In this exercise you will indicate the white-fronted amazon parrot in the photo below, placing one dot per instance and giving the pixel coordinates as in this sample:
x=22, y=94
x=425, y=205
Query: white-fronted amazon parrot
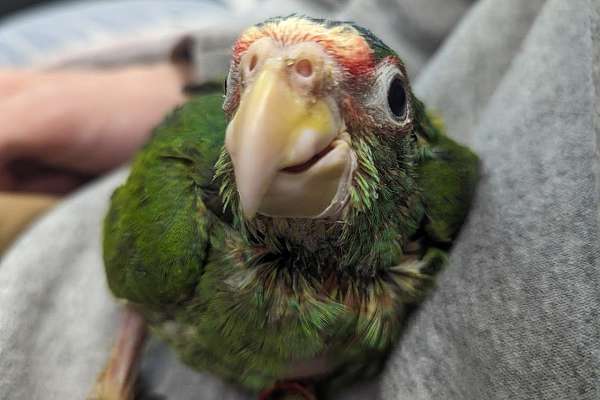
x=277, y=236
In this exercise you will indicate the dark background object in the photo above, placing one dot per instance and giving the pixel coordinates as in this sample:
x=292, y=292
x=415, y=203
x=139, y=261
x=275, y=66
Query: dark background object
x=11, y=6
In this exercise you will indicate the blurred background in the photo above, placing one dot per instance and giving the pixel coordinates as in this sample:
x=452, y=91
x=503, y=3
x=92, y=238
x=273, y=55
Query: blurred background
x=14, y=224
x=34, y=32
x=8, y=7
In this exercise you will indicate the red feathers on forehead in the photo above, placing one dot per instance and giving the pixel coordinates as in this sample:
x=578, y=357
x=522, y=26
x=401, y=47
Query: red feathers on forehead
x=346, y=46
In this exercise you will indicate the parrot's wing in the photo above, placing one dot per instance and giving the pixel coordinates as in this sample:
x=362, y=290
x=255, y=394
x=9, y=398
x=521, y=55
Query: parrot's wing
x=157, y=231
x=448, y=177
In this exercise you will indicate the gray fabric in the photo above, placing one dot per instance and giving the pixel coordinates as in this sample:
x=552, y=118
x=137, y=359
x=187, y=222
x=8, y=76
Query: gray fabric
x=463, y=75
x=515, y=315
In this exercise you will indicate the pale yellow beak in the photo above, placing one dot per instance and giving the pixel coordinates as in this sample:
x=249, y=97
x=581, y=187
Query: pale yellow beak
x=285, y=146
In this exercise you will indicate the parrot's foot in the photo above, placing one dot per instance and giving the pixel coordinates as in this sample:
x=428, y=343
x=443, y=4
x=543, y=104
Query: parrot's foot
x=117, y=380
x=288, y=390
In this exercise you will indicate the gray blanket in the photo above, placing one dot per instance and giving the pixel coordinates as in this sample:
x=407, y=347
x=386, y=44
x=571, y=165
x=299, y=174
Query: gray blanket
x=516, y=312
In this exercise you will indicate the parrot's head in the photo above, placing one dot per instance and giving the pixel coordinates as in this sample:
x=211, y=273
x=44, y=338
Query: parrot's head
x=319, y=112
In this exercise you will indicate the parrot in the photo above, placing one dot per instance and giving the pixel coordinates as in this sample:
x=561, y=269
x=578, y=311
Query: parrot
x=278, y=235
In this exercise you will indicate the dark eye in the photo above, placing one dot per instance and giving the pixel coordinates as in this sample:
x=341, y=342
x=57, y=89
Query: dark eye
x=397, y=98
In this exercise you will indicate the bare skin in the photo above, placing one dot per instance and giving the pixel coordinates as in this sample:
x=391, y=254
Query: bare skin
x=117, y=380
x=60, y=128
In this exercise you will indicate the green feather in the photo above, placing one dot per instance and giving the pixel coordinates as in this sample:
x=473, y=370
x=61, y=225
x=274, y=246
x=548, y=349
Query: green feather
x=447, y=177
x=157, y=230
x=249, y=300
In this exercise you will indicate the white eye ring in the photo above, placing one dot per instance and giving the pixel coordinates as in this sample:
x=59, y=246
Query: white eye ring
x=389, y=77
x=396, y=98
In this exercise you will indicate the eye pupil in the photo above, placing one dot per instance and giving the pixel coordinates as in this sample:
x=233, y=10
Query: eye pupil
x=397, y=98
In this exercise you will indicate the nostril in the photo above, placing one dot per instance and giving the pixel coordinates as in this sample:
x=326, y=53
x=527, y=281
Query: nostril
x=304, y=68
x=253, y=62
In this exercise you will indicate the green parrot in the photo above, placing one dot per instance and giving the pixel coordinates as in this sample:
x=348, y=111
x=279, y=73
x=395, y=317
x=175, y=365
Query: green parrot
x=277, y=236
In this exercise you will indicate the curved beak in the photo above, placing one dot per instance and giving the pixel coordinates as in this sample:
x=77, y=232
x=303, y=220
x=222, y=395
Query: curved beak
x=275, y=129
